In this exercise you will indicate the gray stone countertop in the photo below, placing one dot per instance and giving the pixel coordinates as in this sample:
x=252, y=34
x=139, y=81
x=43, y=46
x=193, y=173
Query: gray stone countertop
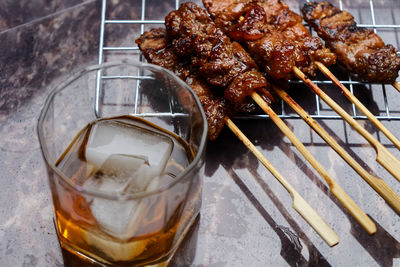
x=246, y=218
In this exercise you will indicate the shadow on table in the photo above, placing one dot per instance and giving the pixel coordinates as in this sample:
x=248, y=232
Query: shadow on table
x=227, y=150
x=381, y=246
x=291, y=246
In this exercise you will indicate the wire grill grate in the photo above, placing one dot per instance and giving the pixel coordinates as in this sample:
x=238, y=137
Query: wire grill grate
x=386, y=113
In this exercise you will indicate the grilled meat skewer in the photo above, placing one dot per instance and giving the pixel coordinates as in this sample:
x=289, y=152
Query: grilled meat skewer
x=154, y=45
x=196, y=36
x=157, y=50
x=277, y=9
x=281, y=18
x=360, y=50
x=273, y=34
x=226, y=66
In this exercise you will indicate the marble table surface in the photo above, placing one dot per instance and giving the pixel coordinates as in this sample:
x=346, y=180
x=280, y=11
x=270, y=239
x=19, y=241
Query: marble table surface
x=246, y=217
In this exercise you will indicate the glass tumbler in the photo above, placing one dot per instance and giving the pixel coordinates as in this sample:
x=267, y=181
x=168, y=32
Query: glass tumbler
x=124, y=145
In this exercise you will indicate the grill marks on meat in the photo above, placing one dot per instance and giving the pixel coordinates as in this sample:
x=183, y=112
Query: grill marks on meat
x=157, y=50
x=360, y=50
x=273, y=34
x=220, y=62
x=209, y=48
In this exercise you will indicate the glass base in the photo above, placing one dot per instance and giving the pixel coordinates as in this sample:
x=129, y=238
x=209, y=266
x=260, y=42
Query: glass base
x=73, y=257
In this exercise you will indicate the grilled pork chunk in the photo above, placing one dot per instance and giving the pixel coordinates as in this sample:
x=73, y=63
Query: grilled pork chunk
x=360, y=50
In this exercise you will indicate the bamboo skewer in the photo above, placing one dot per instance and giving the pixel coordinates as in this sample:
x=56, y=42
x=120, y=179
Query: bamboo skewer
x=358, y=104
x=299, y=204
x=384, y=157
x=334, y=187
x=396, y=85
x=376, y=183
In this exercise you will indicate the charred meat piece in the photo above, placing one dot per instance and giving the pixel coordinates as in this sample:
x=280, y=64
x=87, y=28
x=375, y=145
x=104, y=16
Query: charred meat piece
x=360, y=50
x=157, y=50
x=273, y=34
x=220, y=62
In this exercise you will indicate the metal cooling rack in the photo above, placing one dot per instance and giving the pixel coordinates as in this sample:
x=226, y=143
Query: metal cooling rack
x=388, y=113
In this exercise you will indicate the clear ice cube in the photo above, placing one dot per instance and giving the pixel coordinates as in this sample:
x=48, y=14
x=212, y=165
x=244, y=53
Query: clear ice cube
x=107, y=138
x=120, y=174
x=126, y=159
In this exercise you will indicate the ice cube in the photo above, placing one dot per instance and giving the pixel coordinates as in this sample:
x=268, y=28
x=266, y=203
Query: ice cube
x=113, y=216
x=120, y=174
x=107, y=138
x=120, y=219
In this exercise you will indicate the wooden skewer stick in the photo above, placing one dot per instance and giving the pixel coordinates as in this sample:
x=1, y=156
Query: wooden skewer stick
x=358, y=104
x=334, y=187
x=299, y=204
x=376, y=183
x=396, y=85
x=384, y=157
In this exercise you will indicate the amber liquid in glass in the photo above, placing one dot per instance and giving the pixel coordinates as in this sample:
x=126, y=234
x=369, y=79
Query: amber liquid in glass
x=152, y=226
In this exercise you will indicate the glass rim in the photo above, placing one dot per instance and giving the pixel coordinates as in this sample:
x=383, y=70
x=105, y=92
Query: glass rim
x=109, y=196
